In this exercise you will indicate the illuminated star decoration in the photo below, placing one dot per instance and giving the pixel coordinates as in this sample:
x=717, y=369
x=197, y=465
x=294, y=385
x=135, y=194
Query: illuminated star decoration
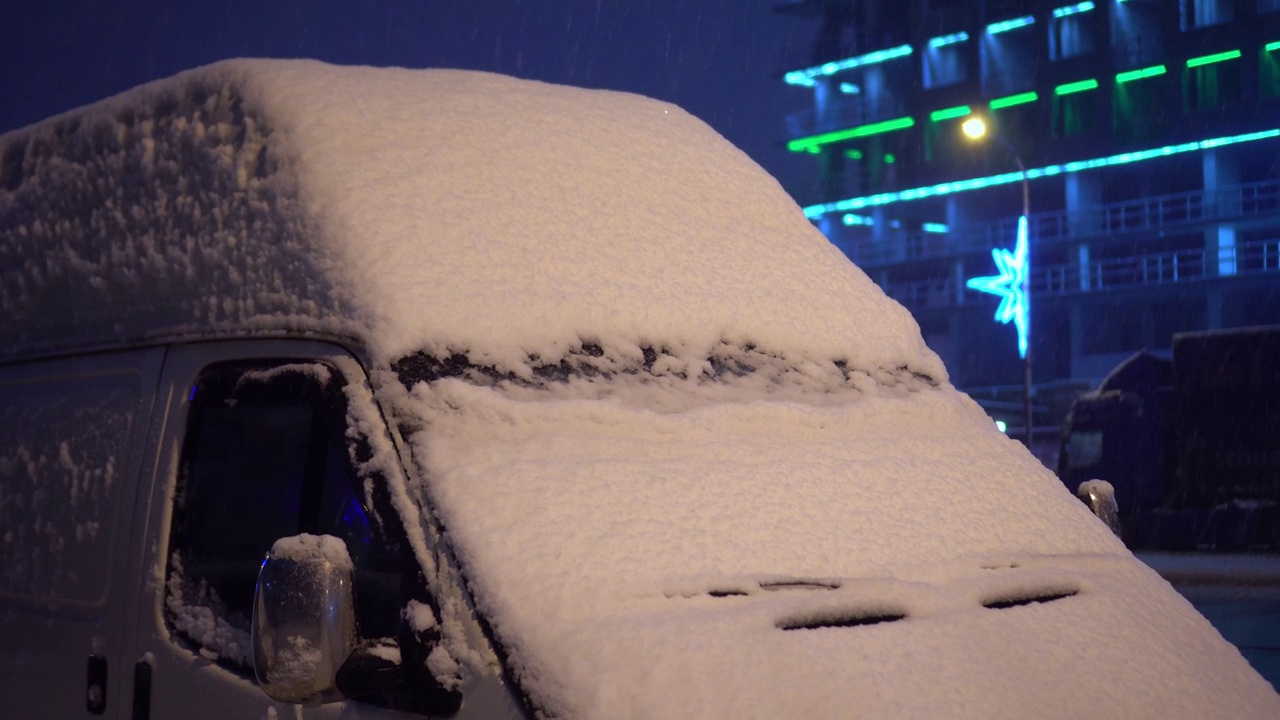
x=1010, y=285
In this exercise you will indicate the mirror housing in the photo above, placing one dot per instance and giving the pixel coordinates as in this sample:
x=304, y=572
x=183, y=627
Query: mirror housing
x=1100, y=496
x=304, y=625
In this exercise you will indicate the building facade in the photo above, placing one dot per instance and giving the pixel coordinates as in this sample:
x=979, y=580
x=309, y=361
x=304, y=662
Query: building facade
x=1145, y=135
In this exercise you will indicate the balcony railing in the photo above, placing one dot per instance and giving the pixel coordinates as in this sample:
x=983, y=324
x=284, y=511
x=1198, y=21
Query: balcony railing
x=1148, y=270
x=1172, y=212
x=1160, y=268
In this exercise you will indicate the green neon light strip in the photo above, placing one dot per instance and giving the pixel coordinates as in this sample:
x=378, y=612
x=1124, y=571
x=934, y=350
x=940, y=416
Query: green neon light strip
x=805, y=143
x=1131, y=75
x=1272, y=46
x=1076, y=87
x=842, y=206
x=949, y=113
x=1215, y=58
x=1012, y=100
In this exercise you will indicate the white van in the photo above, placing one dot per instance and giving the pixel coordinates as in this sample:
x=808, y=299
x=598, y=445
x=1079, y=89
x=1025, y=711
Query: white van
x=538, y=401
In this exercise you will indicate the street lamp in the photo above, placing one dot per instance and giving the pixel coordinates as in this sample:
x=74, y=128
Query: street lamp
x=1013, y=284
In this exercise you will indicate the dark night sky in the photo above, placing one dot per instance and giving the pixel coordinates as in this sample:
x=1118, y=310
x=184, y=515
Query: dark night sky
x=719, y=59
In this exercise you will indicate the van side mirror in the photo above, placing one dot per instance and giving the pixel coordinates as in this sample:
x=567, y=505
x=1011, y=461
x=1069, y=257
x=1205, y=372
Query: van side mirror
x=304, y=624
x=1100, y=496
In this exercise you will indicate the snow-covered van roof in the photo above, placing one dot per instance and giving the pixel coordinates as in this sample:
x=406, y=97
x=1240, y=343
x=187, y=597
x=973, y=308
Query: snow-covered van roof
x=435, y=211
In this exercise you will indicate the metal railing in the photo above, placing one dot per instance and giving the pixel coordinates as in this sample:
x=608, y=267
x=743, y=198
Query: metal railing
x=1151, y=269
x=1160, y=213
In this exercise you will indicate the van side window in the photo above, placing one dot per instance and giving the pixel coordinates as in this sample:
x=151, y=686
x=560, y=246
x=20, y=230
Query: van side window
x=64, y=457
x=267, y=455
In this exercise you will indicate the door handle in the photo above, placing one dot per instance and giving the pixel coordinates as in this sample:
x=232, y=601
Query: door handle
x=142, y=689
x=95, y=697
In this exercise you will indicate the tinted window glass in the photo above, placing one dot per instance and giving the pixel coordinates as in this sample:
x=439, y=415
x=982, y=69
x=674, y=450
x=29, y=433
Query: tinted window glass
x=266, y=456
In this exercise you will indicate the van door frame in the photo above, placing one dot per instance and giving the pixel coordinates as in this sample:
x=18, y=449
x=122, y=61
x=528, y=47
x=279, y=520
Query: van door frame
x=181, y=682
x=107, y=625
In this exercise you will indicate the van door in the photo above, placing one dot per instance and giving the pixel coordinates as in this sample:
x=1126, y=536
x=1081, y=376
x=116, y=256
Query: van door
x=253, y=445
x=71, y=437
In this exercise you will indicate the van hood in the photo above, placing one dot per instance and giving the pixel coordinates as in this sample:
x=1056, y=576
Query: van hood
x=1039, y=636
x=889, y=553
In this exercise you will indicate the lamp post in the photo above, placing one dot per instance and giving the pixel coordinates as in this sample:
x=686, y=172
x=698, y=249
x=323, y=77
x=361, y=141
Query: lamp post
x=1014, y=281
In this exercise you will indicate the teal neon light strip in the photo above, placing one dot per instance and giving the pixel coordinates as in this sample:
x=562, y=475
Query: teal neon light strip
x=1131, y=75
x=952, y=39
x=949, y=113
x=1272, y=46
x=813, y=141
x=1076, y=87
x=1215, y=58
x=1011, y=100
x=1062, y=12
x=841, y=206
x=932, y=227
x=807, y=76
x=1007, y=25
x=1011, y=285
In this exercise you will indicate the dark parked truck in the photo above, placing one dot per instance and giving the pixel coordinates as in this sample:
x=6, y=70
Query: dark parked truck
x=1191, y=442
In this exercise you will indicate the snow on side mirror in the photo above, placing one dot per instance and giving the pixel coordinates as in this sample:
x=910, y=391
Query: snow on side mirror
x=1100, y=496
x=304, y=624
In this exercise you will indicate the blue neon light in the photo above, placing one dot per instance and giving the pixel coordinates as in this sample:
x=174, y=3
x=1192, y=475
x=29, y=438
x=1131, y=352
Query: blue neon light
x=816, y=211
x=850, y=89
x=1007, y=25
x=807, y=76
x=932, y=227
x=952, y=39
x=1010, y=285
x=852, y=219
x=1062, y=12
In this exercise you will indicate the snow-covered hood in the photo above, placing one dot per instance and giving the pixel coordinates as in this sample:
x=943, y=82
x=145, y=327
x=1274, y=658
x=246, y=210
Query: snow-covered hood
x=889, y=555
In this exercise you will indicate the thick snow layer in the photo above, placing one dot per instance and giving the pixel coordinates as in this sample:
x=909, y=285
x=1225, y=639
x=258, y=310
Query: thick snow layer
x=552, y=215
x=197, y=612
x=444, y=211
x=638, y=563
x=308, y=548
